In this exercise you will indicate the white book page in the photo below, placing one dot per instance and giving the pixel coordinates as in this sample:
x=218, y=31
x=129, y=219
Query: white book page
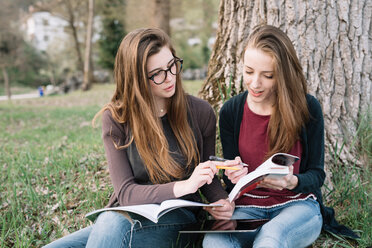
x=245, y=180
x=151, y=211
x=169, y=205
x=276, y=166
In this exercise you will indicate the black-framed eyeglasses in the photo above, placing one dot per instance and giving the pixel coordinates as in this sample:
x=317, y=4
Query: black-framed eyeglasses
x=160, y=76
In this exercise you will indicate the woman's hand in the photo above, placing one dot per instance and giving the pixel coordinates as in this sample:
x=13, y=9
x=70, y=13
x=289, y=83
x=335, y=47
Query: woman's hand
x=290, y=181
x=202, y=174
x=235, y=175
x=222, y=213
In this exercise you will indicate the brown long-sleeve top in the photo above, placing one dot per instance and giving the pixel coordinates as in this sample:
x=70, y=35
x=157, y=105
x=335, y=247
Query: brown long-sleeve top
x=128, y=174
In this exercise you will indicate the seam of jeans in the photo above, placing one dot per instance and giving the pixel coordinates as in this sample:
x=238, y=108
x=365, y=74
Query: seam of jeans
x=159, y=226
x=131, y=233
x=234, y=241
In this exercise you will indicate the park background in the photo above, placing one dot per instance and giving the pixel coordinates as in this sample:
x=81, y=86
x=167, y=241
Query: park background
x=53, y=169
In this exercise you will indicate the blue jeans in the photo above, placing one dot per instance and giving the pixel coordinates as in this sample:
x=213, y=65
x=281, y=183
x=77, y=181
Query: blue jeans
x=113, y=229
x=296, y=224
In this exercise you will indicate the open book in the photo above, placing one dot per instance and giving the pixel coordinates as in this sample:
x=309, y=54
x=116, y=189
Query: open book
x=151, y=211
x=276, y=166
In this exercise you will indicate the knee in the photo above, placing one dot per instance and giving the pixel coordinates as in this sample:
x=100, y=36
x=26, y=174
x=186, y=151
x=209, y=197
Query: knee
x=109, y=221
x=269, y=237
x=219, y=240
x=278, y=234
x=268, y=242
x=208, y=241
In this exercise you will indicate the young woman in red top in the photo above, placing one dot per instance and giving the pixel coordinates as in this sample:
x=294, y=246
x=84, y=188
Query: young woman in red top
x=274, y=115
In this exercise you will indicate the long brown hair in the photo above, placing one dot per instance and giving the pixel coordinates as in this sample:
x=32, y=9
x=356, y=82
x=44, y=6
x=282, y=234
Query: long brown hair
x=290, y=109
x=133, y=104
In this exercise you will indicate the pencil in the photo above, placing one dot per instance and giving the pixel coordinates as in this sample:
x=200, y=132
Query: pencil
x=227, y=167
x=214, y=158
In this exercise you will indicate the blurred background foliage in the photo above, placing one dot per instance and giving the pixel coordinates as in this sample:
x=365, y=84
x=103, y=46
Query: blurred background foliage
x=26, y=63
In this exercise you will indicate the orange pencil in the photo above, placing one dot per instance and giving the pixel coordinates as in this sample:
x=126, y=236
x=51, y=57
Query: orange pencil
x=227, y=167
x=214, y=158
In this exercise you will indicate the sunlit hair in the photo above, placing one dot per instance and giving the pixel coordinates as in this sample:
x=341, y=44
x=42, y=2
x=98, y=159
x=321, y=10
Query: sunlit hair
x=290, y=109
x=133, y=104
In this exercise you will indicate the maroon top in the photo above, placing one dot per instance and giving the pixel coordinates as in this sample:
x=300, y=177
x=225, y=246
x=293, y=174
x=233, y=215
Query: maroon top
x=126, y=168
x=253, y=145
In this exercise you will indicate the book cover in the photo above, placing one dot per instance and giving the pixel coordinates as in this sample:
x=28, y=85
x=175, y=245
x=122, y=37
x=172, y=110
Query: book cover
x=276, y=166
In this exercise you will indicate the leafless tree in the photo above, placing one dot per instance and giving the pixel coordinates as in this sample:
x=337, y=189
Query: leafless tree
x=10, y=41
x=88, y=77
x=70, y=11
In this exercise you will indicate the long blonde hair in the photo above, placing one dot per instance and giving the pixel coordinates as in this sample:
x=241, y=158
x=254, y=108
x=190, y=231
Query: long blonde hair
x=133, y=104
x=290, y=109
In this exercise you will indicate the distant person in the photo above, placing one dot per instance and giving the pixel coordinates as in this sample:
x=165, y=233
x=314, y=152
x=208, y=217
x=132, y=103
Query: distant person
x=41, y=91
x=275, y=114
x=157, y=140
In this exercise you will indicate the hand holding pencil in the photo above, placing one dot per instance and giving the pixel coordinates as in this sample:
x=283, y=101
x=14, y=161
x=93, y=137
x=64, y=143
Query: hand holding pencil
x=234, y=169
x=204, y=173
x=215, y=158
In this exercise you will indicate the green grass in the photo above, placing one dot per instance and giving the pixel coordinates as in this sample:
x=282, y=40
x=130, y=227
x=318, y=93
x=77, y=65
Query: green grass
x=191, y=86
x=53, y=171
x=53, y=165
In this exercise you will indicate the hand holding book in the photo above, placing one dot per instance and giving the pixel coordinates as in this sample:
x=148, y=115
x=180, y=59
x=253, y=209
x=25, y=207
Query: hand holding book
x=224, y=212
x=289, y=181
x=275, y=172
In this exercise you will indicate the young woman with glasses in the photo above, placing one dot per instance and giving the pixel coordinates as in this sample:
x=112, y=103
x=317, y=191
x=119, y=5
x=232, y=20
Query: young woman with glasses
x=157, y=141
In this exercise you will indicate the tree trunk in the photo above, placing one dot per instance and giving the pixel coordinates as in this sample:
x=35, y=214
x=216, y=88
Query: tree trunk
x=6, y=82
x=161, y=15
x=71, y=22
x=333, y=43
x=87, y=81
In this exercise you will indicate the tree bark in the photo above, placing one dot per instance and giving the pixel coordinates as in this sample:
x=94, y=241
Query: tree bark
x=71, y=22
x=161, y=15
x=87, y=80
x=6, y=82
x=333, y=43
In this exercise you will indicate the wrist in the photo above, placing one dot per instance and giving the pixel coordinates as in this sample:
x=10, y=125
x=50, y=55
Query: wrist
x=180, y=189
x=293, y=182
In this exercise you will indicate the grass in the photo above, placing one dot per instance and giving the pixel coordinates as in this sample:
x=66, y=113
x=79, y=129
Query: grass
x=53, y=166
x=53, y=171
x=192, y=87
